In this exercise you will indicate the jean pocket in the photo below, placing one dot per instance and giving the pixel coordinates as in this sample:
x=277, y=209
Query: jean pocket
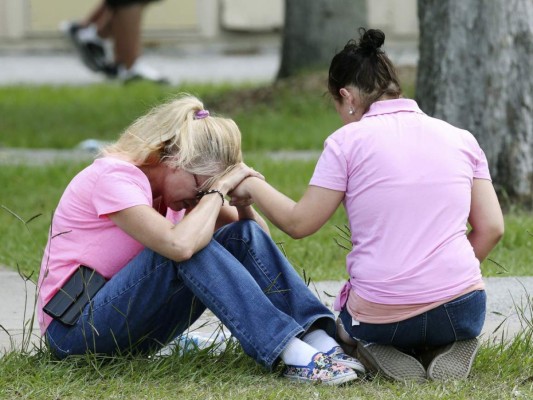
x=370, y=333
x=467, y=314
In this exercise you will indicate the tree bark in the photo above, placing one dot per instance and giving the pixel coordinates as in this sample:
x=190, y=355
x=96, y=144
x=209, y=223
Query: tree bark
x=475, y=71
x=315, y=30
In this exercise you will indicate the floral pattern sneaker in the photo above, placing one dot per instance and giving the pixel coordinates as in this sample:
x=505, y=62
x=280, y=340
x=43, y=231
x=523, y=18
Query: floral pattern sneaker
x=322, y=370
x=339, y=356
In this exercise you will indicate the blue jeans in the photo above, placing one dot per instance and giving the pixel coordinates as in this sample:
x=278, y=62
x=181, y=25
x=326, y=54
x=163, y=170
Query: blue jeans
x=241, y=276
x=459, y=319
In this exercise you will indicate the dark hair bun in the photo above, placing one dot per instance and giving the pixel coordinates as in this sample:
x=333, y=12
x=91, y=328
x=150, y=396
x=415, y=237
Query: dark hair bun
x=371, y=40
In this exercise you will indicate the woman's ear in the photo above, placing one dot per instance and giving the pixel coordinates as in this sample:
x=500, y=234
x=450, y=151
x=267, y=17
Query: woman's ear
x=345, y=94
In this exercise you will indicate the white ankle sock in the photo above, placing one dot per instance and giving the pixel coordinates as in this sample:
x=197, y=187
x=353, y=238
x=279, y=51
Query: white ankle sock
x=320, y=340
x=298, y=353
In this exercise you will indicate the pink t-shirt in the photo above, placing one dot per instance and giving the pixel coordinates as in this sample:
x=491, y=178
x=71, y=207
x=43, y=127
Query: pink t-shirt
x=407, y=180
x=81, y=232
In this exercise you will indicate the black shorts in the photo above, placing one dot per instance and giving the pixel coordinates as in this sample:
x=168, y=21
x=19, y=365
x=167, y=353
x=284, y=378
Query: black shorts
x=122, y=3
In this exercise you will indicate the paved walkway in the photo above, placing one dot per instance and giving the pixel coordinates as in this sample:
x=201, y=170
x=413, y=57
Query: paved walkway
x=19, y=327
x=65, y=69
x=236, y=59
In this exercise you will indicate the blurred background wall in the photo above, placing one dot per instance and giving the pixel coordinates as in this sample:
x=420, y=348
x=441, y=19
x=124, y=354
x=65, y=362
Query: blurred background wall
x=27, y=21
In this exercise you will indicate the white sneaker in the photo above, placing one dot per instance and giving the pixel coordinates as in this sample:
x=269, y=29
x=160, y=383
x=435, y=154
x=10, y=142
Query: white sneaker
x=140, y=71
x=92, y=49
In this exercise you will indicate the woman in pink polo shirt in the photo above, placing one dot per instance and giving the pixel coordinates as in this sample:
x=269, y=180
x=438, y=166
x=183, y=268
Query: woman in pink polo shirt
x=415, y=300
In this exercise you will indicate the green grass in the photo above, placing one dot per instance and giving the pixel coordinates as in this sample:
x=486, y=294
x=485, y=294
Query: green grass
x=31, y=194
x=62, y=117
x=499, y=372
x=514, y=254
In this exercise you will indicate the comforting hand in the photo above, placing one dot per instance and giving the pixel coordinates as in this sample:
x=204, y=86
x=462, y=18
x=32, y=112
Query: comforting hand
x=241, y=195
x=229, y=181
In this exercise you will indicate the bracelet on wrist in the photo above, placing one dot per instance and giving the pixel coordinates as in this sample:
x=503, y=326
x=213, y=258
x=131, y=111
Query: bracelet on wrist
x=210, y=191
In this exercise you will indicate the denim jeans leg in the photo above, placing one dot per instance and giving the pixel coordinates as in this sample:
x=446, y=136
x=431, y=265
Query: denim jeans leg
x=240, y=296
x=145, y=305
x=262, y=300
x=269, y=267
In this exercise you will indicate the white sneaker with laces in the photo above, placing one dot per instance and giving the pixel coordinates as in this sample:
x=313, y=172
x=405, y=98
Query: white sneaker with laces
x=140, y=71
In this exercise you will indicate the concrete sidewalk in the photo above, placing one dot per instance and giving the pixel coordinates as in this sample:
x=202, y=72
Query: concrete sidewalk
x=66, y=69
x=236, y=60
x=505, y=296
x=232, y=59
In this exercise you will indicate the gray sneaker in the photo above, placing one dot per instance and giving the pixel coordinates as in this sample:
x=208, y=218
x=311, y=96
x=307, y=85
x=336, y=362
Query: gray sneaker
x=454, y=361
x=391, y=362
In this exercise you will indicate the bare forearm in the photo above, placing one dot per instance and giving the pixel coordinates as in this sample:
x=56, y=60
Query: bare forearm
x=297, y=219
x=178, y=242
x=483, y=243
x=277, y=208
x=486, y=218
x=195, y=231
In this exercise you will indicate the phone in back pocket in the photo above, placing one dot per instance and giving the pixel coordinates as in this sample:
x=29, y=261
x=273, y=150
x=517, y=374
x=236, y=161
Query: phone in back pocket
x=68, y=303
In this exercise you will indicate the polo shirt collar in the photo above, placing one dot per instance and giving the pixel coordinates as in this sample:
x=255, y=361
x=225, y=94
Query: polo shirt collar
x=392, y=106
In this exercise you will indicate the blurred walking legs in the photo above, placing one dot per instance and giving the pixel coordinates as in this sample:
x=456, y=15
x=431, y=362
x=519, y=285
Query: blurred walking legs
x=108, y=41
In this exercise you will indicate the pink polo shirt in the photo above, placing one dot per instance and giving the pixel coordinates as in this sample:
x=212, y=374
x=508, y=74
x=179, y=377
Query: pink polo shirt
x=81, y=232
x=407, y=180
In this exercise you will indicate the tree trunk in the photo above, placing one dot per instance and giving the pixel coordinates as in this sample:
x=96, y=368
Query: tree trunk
x=475, y=71
x=315, y=30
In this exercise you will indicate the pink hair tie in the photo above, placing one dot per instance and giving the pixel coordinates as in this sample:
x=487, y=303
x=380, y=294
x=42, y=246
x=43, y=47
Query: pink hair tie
x=201, y=114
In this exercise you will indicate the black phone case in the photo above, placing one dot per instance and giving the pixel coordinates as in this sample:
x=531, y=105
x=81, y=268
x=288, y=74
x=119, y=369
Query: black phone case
x=67, y=304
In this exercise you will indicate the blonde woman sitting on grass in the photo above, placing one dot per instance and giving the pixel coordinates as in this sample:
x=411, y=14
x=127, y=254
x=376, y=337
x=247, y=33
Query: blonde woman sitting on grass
x=143, y=241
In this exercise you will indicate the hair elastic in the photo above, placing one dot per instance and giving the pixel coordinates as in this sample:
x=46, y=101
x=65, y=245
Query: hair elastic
x=201, y=114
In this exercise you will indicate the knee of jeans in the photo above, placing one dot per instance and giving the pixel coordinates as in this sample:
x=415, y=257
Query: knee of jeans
x=245, y=230
x=249, y=225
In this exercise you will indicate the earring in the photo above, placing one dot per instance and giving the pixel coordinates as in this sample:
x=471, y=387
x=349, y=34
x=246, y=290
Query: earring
x=352, y=111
